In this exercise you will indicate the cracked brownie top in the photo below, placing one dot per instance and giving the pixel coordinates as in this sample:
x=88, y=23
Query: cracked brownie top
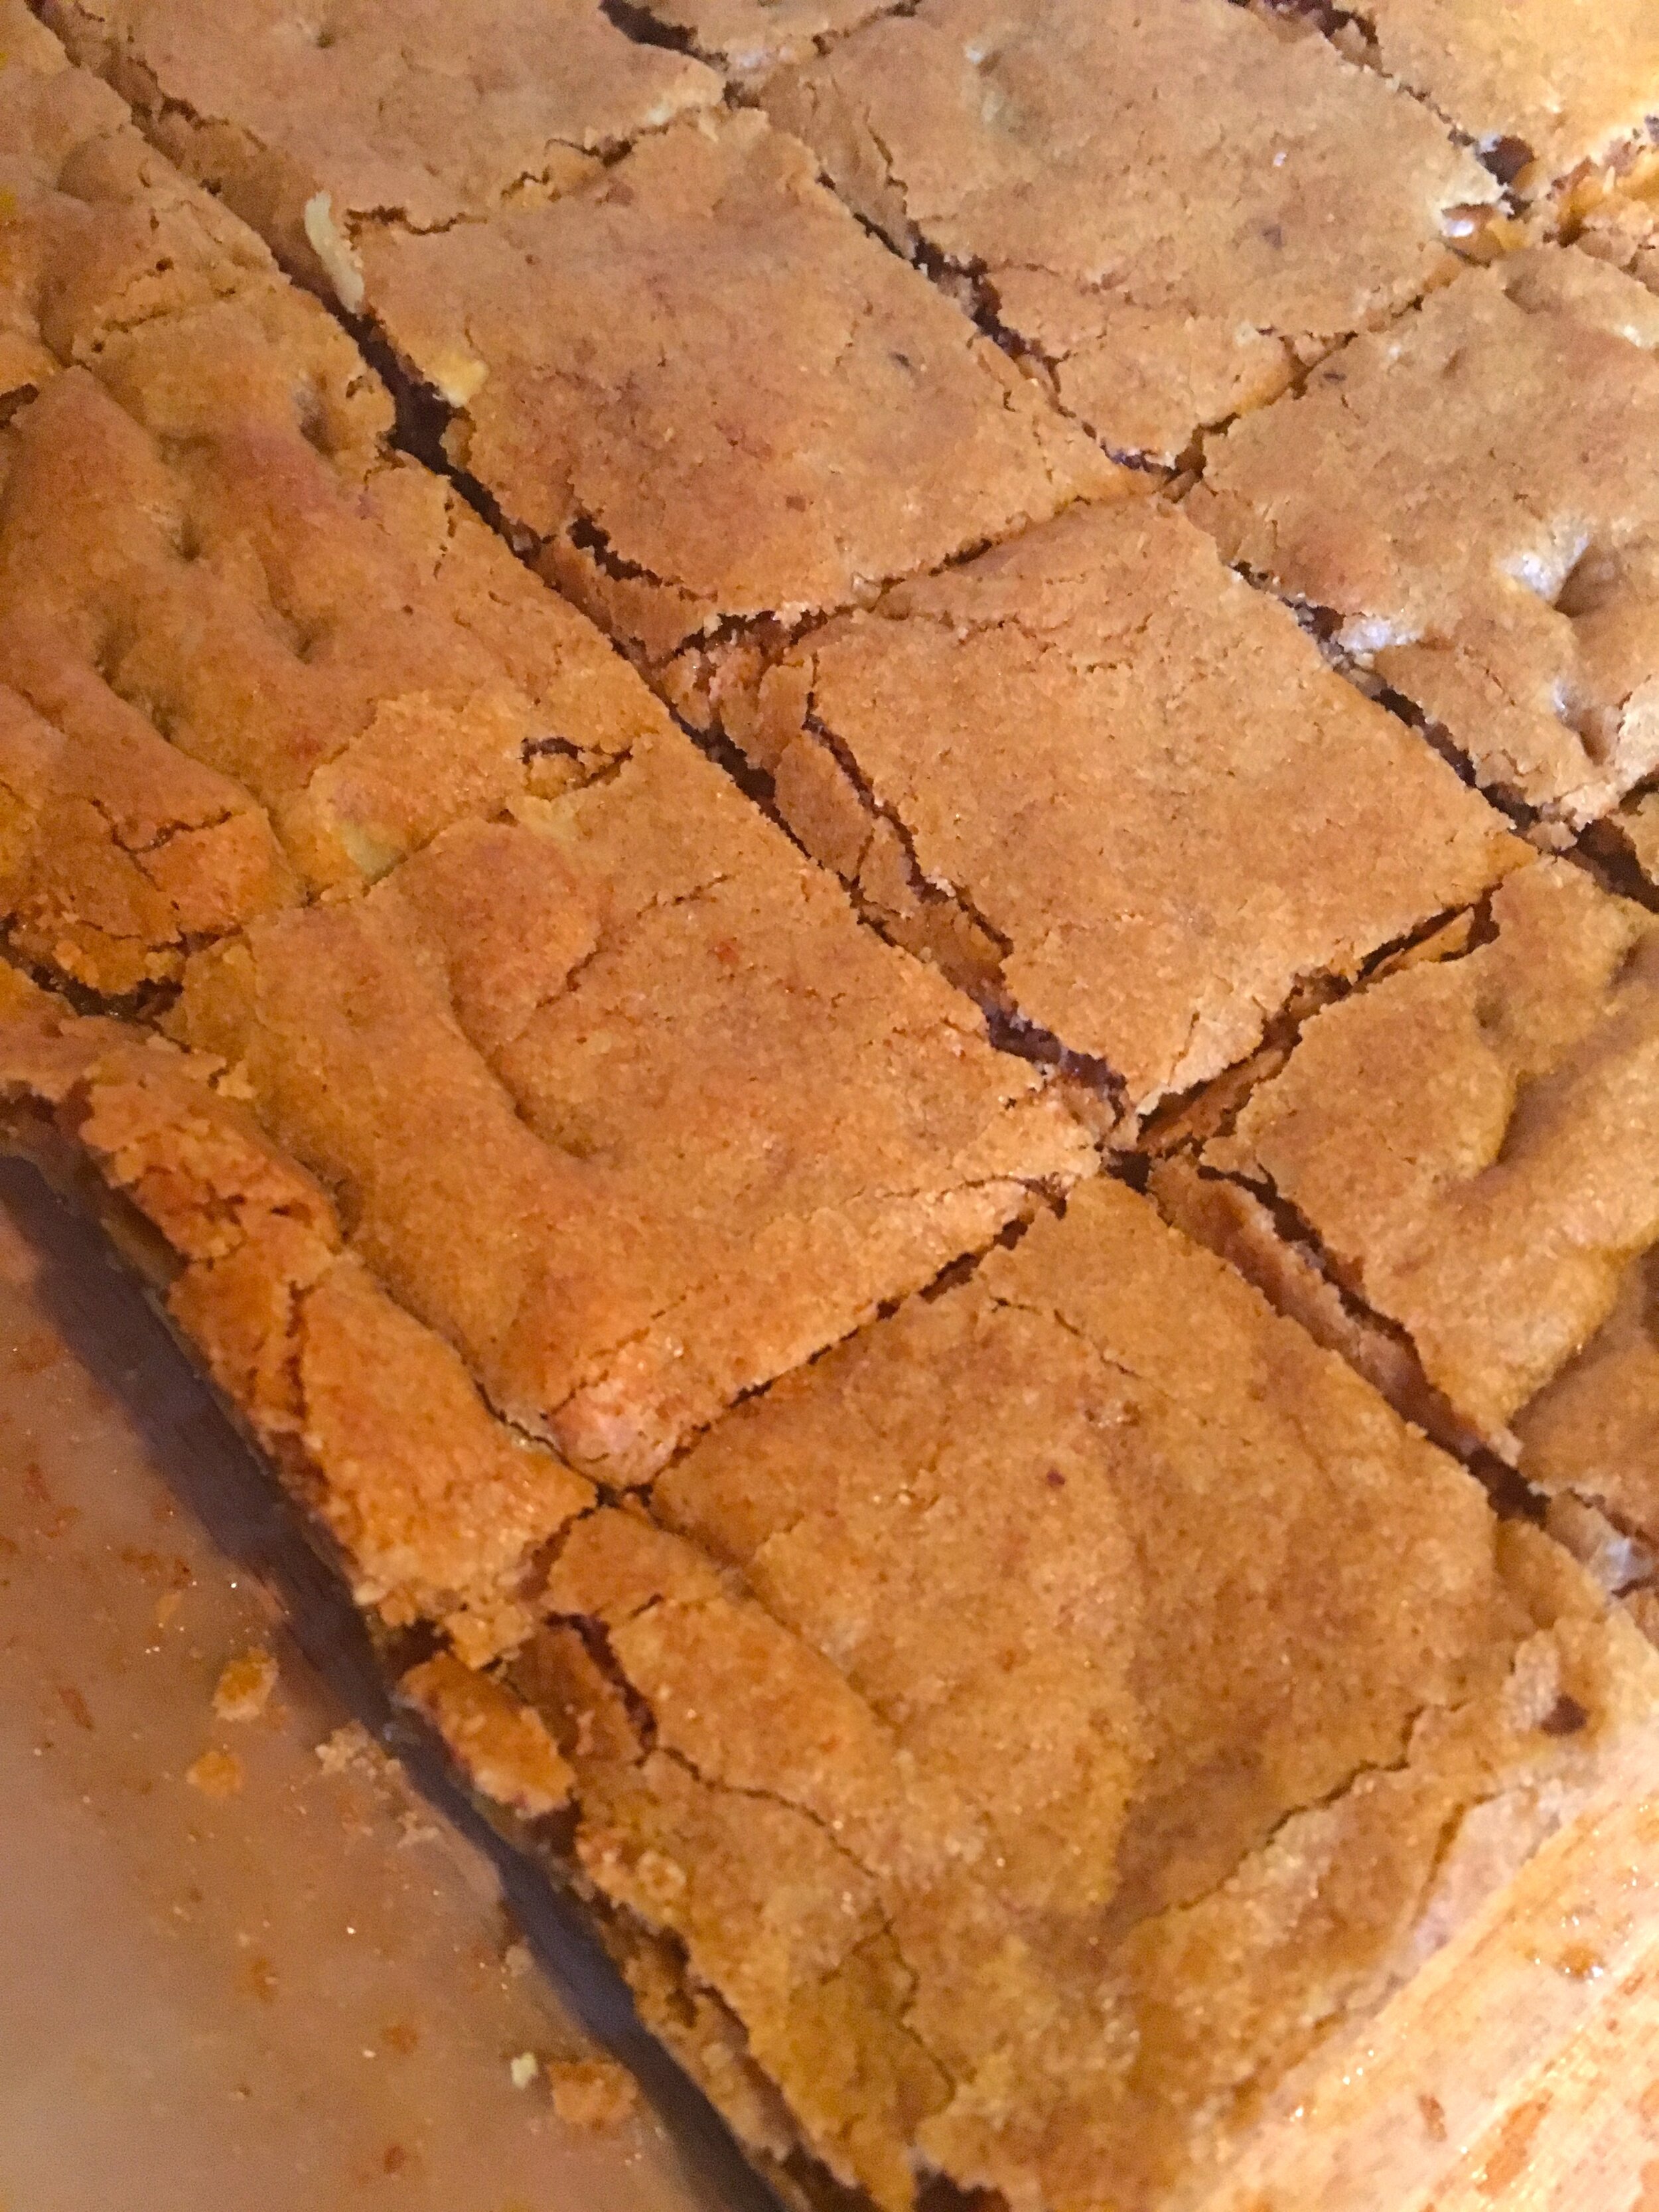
x=314, y=122
x=1117, y=793
x=714, y=398
x=1171, y=260
x=1544, y=84
x=1473, y=497
x=621, y=1097
x=252, y=672
x=749, y=37
x=1043, y=1717
x=1471, y=1143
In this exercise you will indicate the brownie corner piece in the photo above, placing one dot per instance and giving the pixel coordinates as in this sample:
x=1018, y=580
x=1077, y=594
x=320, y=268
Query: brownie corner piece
x=1501, y=576
x=718, y=407
x=1139, y=197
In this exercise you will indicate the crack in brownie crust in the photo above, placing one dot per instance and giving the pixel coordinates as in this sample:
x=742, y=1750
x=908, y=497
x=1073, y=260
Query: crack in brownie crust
x=1471, y=497
x=1016, y=1870
x=1544, y=85
x=1471, y=1143
x=621, y=1097
x=1171, y=261
x=316, y=123
x=1068, y=732
x=749, y=38
x=718, y=403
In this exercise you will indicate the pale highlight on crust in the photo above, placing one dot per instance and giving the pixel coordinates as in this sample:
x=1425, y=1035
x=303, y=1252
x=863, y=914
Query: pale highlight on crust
x=889, y=1792
x=1168, y=262
x=435, y=1507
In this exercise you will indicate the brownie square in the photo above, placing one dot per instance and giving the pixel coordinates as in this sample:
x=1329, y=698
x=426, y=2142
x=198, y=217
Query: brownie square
x=316, y=123
x=619, y=1096
x=1470, y=501
x=1142, y=199
x=1117, y=794
x=716, y=407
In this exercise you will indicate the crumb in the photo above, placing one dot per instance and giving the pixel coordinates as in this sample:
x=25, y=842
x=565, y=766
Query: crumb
x=245, y=1686
x=350, y=1746
x=516, y=1959
x=524, y=2069
x=215, y=1774
x=591, y=2092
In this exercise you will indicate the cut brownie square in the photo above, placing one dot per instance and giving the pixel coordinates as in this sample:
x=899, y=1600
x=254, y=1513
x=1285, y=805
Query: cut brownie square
x=1142, y=198
x=254, y=670
x=1043, y=1723
x=433, y=1507
x=315, y=123
x=749, y=38
x=1546, y=89
x=620, y=1096
x=717, y=406
x=1472, y=501
x=1117, y=793
x=1467, y=1153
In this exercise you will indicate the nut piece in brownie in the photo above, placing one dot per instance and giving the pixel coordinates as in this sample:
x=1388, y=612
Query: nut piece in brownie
x=1471, y=499
x=1044, y=1720
x=748, y=39
x=1468, y=1151
x=620, y=1096
x=1142, y=196
x=316, y=122
x=1547, y=89
x=434, y=1506
x=1117, y=793
x=718, y=406
x=245, y=663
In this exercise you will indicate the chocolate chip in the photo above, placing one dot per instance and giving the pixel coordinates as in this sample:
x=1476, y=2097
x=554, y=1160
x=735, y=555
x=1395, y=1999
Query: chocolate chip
x=1565, y=1718
x=1055, y=1479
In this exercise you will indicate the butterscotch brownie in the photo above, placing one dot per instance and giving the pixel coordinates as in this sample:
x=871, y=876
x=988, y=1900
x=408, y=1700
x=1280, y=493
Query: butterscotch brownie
x=749, y=38
x=435, y=1505
x=1116, y=793
x=1040, y=1723
x=619, y=1096
x=717, y=406
x=1170, y=258
x=316, y=123
x=249, y=669
x=1468, y=1151
x=1544, y=87
x=1472, y=501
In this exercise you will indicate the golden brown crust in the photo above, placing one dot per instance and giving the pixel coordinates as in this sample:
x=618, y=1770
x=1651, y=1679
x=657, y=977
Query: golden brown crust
x=414, y=113
x=1067, y=734
x=622, y=1098
x=959, y=1761
x=749, y=38
x=1503, y=576
x=714, y=398
x=1170, y=260
x=370, y=1418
